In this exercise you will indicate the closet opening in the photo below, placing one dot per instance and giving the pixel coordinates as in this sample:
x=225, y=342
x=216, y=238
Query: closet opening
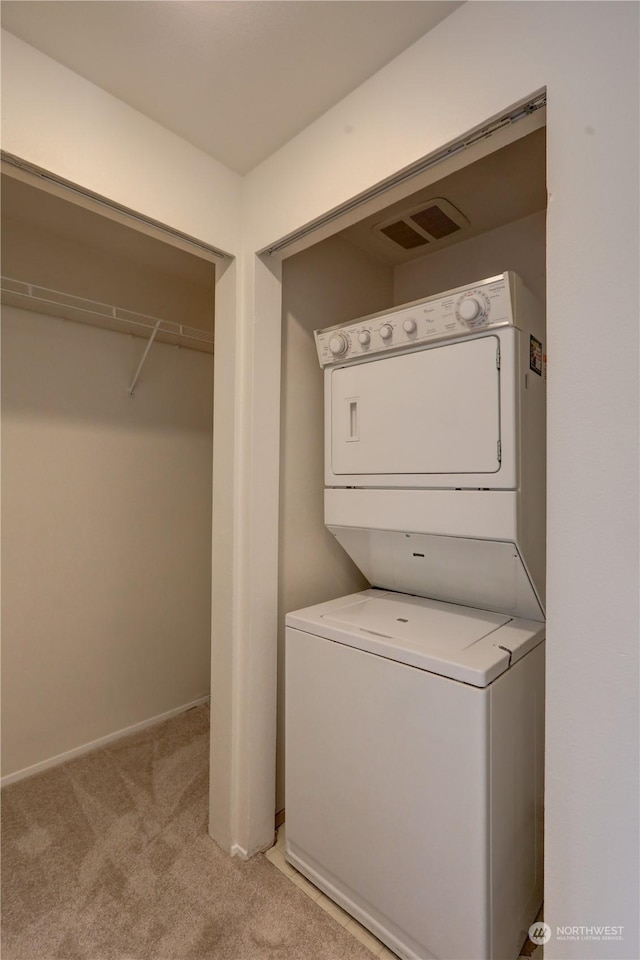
x=473, y=216
x=106, y=477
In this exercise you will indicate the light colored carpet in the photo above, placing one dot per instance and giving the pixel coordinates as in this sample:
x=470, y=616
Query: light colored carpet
x=108, y=858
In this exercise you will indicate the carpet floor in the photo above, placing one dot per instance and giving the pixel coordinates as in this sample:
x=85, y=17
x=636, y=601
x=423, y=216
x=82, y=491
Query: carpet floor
x=107, y=858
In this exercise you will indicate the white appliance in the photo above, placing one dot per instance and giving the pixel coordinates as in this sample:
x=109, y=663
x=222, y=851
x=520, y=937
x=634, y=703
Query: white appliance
x=415, y=717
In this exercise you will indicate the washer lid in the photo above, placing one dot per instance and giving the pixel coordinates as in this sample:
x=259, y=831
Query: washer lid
x=462, y=643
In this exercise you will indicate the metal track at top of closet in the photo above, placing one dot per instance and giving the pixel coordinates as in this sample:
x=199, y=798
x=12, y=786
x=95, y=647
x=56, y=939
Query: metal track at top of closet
x=518, y=112
x=66, y=306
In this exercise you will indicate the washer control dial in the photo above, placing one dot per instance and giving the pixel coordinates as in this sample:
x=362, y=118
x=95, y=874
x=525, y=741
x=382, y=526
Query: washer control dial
x=386, y=331
x=410, y=325
x=364, y=337
x=338, y=344
x=473, y=309
x=470, y=309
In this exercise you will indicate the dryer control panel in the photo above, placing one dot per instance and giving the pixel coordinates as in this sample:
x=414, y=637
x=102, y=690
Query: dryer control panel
x=457, y=313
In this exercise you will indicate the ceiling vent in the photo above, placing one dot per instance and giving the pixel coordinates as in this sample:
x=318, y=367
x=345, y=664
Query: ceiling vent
x=429, y=223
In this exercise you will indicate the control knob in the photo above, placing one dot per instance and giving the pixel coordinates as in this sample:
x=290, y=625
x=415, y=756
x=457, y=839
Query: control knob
x=471, y=309
x=386, y=331
x=364, y=337
x=338, y=344
x=410, y=325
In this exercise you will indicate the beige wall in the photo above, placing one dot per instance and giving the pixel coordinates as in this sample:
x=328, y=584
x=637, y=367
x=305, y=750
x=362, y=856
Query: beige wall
x=57, y=120
x=330, y=283
x=53, y=243
x=106, y=538
x=519, y=246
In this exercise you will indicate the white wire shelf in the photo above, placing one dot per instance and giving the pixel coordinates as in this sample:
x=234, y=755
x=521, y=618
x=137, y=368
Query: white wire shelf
x=66, y=306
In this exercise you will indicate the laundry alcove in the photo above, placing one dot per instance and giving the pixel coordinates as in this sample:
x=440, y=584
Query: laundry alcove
x=497, y=194
x=106, y=496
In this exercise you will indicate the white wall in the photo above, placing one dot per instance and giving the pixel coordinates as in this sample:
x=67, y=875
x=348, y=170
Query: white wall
x=106, y=549
x=330, y=283
x=57, y=120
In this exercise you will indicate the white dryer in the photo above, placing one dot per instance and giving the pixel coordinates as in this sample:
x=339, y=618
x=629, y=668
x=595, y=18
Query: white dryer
x=438, y=431
x=414, y=712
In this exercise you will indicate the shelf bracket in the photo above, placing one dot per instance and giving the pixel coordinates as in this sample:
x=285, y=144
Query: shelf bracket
x=144, y=357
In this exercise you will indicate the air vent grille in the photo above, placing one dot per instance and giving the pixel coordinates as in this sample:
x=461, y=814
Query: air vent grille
x=431, y=222
x=404, y=235
x=435, y=222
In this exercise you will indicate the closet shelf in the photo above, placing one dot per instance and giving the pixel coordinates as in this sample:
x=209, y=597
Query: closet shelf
x=28, y=296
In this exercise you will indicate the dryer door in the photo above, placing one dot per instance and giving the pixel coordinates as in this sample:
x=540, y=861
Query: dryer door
x=431, y=412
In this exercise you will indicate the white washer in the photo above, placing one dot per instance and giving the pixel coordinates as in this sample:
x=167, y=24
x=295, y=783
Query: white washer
x=415, y=770
x=414, y=719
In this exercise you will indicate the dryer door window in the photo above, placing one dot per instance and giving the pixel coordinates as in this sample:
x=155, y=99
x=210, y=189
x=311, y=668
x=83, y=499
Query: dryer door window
x=435, y=411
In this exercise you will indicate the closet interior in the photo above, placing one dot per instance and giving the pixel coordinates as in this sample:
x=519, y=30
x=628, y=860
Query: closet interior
x=107, y=408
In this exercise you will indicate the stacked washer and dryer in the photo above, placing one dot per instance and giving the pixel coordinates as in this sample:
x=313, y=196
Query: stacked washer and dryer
x=414, y=709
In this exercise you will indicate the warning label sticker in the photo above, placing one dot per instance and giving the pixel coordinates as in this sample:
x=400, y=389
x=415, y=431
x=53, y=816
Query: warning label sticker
x=535, y=355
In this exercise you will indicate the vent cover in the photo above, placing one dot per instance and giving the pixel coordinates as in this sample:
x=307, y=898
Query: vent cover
x=404, y=235
x=432, y=221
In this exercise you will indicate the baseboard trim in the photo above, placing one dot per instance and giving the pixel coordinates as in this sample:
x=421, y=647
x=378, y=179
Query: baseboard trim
x=96, y=744
x=238, y=851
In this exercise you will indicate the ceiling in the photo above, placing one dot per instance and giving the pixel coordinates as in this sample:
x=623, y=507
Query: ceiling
x=236, y=78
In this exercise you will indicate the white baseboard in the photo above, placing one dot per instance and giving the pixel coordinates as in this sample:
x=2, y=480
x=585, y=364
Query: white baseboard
x=96, y=744
x=238, y=851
